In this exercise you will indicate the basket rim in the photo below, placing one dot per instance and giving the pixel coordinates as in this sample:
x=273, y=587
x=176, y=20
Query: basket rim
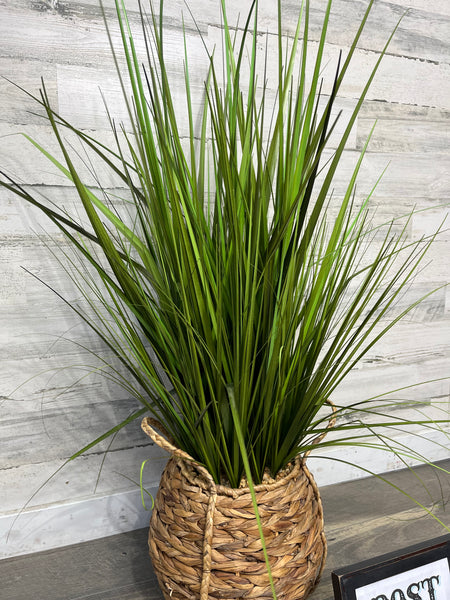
x=293, y=469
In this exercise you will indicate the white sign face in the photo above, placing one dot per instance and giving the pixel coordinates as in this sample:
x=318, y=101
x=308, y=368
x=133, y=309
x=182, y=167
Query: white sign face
x=429, y=582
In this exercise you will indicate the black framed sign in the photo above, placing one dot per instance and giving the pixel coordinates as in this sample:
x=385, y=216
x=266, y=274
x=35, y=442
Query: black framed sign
x=420, y=572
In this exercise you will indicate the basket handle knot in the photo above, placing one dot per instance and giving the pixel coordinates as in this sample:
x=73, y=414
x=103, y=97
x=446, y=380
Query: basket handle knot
x=149, y=424
x=331, y=424
x=165, y=441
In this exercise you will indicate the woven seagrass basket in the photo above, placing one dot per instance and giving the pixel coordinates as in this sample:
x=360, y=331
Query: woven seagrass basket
x=204, y=541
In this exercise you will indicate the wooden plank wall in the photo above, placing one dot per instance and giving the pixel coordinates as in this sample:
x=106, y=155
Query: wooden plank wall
x=60, y=404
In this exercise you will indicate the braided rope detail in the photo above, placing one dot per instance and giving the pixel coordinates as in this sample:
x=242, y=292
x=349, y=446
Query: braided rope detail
x=331, y=424
x=207, y=547
x=166, y=443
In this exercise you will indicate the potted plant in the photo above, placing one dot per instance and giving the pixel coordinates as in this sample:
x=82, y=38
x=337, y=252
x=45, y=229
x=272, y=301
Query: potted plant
x=233, y=303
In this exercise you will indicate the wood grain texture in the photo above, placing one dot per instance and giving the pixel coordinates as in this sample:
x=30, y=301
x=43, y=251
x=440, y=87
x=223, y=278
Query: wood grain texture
x=43, y=349
x=115, y=569
x=404, y=129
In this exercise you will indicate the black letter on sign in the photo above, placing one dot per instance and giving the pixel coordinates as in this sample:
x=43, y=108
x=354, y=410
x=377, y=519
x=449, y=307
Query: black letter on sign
x=429, y=582
x=382, y=597
x=398, y=595
x=413, y=595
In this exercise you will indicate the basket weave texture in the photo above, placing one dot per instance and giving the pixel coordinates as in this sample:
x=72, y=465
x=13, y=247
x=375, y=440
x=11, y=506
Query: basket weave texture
x=204, y=540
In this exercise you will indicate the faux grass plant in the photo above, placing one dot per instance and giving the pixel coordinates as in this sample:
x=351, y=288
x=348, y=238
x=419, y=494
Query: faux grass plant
x=229, y=297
